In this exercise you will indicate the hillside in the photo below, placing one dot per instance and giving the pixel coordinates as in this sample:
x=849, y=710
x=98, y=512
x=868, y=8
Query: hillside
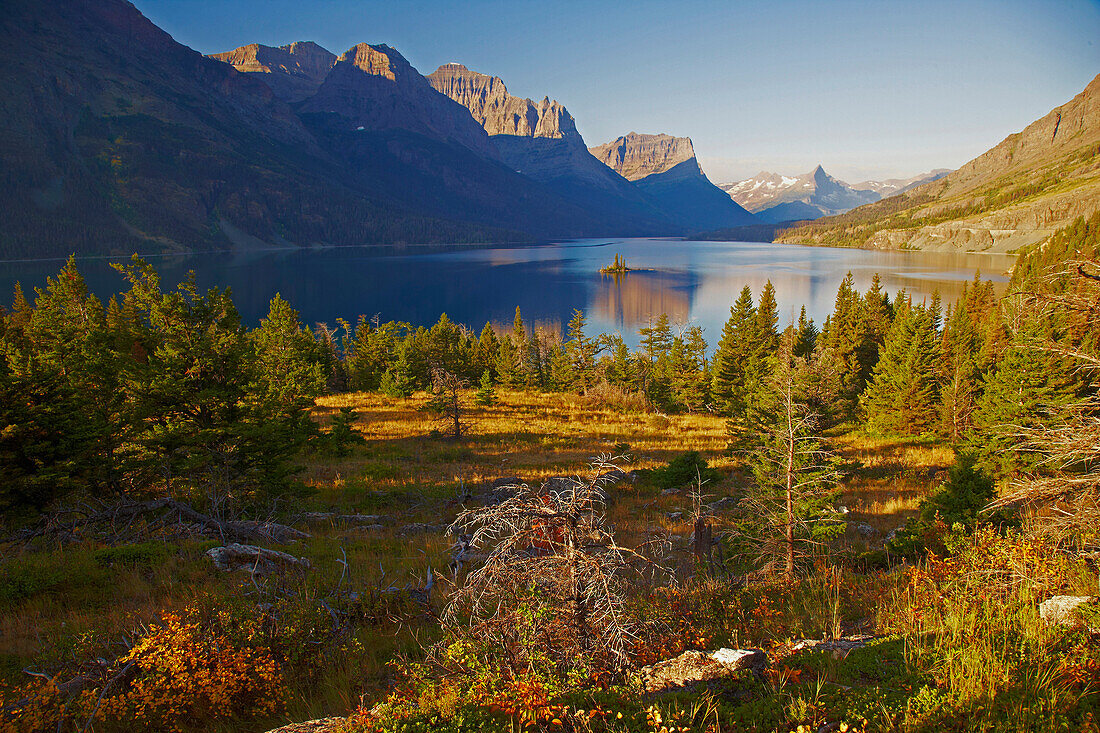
x=1014, y=195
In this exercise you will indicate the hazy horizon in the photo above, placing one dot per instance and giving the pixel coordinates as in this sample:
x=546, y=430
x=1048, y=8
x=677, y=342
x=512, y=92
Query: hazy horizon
x=868, y=90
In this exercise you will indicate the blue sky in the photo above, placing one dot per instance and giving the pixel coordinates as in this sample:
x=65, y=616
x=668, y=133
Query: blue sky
x=868, y=89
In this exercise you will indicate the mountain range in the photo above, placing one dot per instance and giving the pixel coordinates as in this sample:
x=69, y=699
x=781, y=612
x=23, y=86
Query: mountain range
x=116, y=138
x=1013, y=196
x=776, y=198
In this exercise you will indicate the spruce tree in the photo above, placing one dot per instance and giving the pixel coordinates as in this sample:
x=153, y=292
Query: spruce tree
x=902, y=396
x=728, y=379
x=582, y=353
x=486, y=393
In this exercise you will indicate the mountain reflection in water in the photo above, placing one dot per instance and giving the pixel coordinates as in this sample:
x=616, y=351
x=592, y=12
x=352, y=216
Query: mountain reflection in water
x=694, y=282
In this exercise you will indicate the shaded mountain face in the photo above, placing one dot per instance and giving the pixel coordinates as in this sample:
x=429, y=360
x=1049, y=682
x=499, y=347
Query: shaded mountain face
x=374, y=88
x=540, y=141
x=293, y=72
x=775, y=198
x=666, y=170
x=113, y=137
x=1014, y=195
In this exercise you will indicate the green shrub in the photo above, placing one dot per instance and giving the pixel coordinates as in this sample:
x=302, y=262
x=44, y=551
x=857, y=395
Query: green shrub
x=143, y=554
x=958, y=503
x=685, y=469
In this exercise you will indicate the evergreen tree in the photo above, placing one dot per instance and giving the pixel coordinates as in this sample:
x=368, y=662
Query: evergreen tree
x=902, y=395
x=582, y=353
x=786, y=510
x=397, y=381
x=486, y=393
x=728, y=380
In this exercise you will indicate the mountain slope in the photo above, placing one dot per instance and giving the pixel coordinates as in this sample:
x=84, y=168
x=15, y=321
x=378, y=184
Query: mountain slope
x=665, y=169
x=775, y=198
x=1014, y=195
x=540, y=140
x=113, y=137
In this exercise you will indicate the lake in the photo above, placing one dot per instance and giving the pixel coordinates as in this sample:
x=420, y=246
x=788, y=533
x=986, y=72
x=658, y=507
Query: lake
x=694, y=282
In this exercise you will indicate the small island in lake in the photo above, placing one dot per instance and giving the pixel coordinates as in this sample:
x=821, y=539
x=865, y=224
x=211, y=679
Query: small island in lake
x=617, y=267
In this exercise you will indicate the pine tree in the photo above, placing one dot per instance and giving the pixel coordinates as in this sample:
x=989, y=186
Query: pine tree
x=582, y=353
x=786, y=507
x=728, y=379
x=486, y=393
x=397, y=381
x=902, y=396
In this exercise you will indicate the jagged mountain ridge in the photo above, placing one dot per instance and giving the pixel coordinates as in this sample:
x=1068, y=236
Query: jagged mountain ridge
x=665, y=169
x=1014, y=195
x=893, y=186
x=540, y=140
x=294, y=71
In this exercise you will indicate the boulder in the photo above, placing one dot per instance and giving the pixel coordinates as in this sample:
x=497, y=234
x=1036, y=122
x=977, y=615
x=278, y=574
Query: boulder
x=865, y=530
x=738, y=659
x=258, y=560
x=689, y=670
x=501, y=489
x=1059, y=609
x=674, y=516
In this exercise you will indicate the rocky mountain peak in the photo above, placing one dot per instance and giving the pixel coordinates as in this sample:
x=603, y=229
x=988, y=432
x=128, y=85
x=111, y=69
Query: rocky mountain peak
x=294, y=71
x=499, y=112
x=636, y=156
x=380, y=60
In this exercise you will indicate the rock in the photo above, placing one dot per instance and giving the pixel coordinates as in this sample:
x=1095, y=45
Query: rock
x=419, y=528
x=669, y=492
x=500, y=490
x=321, y=725
x=674, y=516
x=738, y=659
x=615, y=477
x=259, y=560
x=375, y=87
x=892, y=535
x=344, y=520
x=499, y=112
x=844, y=644
x=690, y=669
x=842, y=509
x=1059, y=609
x=865, y=530
x=724, y=504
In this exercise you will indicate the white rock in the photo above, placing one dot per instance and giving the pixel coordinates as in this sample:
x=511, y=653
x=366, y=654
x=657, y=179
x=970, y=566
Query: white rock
x=740, y=658
x=1059, y=609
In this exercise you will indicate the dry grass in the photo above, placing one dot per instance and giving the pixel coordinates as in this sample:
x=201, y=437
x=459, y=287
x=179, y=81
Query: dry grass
x=889, y=476
x=533, y=436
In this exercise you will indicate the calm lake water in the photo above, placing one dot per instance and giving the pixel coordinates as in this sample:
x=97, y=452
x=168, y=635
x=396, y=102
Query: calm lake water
x=694, y=282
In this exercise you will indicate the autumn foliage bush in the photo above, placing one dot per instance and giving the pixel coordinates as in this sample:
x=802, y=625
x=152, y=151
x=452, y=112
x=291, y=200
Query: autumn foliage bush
x=186, y=671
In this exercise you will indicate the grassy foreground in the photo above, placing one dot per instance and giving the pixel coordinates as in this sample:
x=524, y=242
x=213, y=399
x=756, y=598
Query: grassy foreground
x=957, y=642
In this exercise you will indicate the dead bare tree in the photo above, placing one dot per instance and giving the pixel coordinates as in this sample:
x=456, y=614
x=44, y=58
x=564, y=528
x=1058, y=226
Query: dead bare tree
x=790, y=501
x=553, y=578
